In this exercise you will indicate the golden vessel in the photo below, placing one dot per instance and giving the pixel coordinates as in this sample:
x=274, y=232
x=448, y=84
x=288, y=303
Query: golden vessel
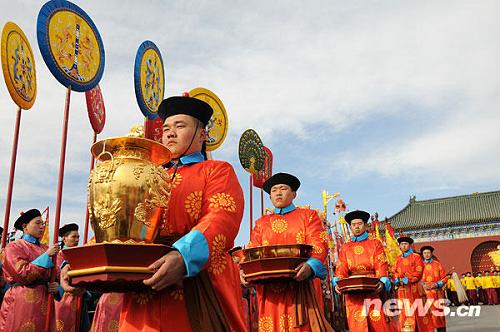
x=128, y=191
x=128, y=196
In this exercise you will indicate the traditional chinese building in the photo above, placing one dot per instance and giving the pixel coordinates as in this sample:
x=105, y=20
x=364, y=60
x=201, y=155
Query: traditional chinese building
x=464, y=230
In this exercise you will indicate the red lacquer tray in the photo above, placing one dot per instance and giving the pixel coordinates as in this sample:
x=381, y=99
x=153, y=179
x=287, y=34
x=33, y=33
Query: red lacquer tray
x=358, y=284
x=113, y=267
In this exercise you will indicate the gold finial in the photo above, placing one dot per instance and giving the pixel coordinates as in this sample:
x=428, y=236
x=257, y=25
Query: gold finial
x=407, y=327
x=136, y=131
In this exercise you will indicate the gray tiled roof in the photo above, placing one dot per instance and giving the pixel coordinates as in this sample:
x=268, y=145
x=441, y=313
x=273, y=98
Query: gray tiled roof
x=448, y=211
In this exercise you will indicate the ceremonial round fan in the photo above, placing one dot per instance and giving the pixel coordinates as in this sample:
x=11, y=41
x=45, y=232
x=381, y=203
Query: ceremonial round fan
x=251, y=151
x=96, y=109
x=70, y=44
x=217, y=125
x=149, y=79
x=18, y=65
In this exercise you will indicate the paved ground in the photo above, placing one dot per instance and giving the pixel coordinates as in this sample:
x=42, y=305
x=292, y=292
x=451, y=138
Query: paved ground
x=488, y=321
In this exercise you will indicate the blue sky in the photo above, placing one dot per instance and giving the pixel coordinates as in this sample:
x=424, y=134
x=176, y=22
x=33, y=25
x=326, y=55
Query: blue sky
x=377, y=100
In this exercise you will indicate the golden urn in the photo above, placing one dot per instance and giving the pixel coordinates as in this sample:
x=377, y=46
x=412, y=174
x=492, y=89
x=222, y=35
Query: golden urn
x=128, y=196
x=128, y=191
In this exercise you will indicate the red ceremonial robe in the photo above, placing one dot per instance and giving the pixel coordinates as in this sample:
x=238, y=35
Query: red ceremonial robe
x=366, y=257
x=206, y=198
x=411, y=267
x=24, y=307
x=66, y=309
x=107, y=313
x=276, y=300
x=433, y=274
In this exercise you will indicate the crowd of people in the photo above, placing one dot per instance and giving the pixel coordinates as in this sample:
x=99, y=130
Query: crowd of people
x=480, y=287
x=198, y=286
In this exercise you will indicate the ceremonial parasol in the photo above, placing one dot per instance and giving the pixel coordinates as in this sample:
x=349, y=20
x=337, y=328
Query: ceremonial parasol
x=18, y=67
x=265, y=173
x=153, y=129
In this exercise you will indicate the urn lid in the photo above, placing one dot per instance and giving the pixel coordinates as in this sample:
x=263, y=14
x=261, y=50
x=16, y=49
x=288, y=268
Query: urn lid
x=156, y=152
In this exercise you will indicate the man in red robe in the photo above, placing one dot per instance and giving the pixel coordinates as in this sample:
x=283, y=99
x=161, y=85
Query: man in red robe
x=26, y=267
x=71, y=311
x=407, y=274
x=196, y=287
x=366, y=257
x=279, y=307
x=433, y=280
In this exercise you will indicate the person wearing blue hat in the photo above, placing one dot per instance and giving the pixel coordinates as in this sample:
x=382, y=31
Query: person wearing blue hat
x=72, y=307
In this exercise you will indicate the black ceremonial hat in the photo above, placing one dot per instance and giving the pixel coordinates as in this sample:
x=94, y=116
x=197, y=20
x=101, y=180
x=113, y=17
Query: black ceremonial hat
x=357, y=214
x=281, y=178
x=427, y=248
x=405, y=239
x=26, y=217
x=185, y=105
x=67, y=228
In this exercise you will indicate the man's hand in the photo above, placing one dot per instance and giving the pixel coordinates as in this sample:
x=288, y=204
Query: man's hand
x=304, y=271
x=243, y=281
x=53, y=249
x=337, y=290
x=53, y=287
x=65, y=280
x=170, y=269
x=380, y=287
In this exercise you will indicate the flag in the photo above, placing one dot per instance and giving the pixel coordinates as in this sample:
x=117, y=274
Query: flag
x=45, y=236
x=392, y=250
x=377, y=231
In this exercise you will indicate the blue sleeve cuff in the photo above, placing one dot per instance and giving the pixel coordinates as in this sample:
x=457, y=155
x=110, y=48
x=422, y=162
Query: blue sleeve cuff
x=396, y=281
x=334, y=281
x=387, y=283
x=43, y=261
x=319, y=269
x=194, y=250
x=63, y=264
x=405, y=280
x=440, y=283
x=59, y=295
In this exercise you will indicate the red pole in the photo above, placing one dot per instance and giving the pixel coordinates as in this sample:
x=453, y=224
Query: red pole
x=62, y=160
x=13, y=158
x=261, y=202
x=251, y=204
x=78, y=312
x=86, y=231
